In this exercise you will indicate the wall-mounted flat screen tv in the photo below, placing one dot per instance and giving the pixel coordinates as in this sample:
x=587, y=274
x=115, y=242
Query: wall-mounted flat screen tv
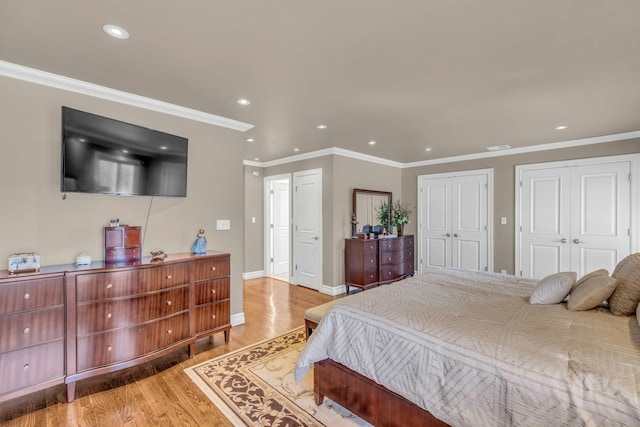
x=103, y=155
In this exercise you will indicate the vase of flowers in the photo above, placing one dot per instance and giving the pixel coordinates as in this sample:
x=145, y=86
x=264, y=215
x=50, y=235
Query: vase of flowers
x=384, y=215
x=400, y=216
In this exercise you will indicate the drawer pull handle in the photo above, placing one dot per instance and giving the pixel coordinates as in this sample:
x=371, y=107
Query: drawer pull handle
x=110, y=285
x=169, y=331
x=168, y=276
x=371, y=261
x=389, y=273
x=213, y=269
x=27, y=296
x=213, y=291
x=371, y=276
x=169, y=302
x=26, y=368
x=108, y=315
x=109, y=348
x=370, y=247
x=213, y=316
x=26, y=331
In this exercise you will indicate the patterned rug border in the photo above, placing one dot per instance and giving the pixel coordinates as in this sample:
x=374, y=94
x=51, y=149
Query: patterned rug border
x=211, y=394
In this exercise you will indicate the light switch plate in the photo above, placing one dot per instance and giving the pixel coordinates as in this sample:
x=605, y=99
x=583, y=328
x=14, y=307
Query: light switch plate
x=223, y=224
x=503, y=220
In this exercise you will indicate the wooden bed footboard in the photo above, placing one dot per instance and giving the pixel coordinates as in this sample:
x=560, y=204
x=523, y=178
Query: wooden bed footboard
x=366, y=398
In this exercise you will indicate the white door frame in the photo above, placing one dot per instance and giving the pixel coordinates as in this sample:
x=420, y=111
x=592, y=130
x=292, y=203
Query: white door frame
x=489, y=173
x=268, y=244
x=635, y=195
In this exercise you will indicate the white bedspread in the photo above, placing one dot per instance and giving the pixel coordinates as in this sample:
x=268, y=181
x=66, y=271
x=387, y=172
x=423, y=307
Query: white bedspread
x=469, y=348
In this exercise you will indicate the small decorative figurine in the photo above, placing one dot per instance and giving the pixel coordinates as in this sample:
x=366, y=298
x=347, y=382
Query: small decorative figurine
x=200, y=245
x=158, y=256
x=354, y=226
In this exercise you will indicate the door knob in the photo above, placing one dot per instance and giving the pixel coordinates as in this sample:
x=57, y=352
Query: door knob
x=315, y=238
x=563, y=240
x=576, y=241
x=447, y=234
x=455, y=234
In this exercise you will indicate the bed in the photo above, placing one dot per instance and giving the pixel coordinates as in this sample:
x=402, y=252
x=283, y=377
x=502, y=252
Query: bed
x=467, y=349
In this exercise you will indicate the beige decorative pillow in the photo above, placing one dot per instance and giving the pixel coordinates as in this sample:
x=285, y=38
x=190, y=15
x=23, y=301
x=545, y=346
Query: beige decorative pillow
x=638, y=314
x=591, y=290
x=553, y=289
x=625, y=298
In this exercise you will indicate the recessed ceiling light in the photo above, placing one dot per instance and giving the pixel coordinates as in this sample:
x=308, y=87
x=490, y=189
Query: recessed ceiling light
x=321, y=126
x=125, y=151
x=256, y=159
x=371, y=143
x=499, y=147
x=296, y=149
x=561, y=127
x=250, y=140
x=115, y=31
x=243, y=101
x=427, y=149
x=163, y=148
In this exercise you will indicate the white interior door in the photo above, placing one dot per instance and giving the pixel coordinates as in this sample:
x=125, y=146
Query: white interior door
x=281, y=227
x=455, y=221
x=469, y=210
x=307, y=220
x=546, y=237
x=436, y=223
x=573, y=217
x=600, y=224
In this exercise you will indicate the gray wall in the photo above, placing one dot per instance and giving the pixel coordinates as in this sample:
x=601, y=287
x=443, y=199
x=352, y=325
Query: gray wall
x=504, y=187
x=35, y=218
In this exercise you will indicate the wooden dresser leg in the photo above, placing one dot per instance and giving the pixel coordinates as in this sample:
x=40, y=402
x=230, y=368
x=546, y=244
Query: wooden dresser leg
x=227, y=335
x=71, y=392
x=192, y=350
x=318, y=397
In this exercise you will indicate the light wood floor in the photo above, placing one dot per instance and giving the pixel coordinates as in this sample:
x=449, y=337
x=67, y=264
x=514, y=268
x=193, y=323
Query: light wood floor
x=159, y=393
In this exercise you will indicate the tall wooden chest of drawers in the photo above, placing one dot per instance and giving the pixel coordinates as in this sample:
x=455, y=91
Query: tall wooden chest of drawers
x=369, y=263
x=31, y=333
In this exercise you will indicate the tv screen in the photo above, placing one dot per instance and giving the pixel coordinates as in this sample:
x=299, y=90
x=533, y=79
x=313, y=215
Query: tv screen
x=103, y=155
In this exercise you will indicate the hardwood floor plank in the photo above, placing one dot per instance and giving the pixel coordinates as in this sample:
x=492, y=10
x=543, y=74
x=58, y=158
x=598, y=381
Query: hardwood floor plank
x=159, y=393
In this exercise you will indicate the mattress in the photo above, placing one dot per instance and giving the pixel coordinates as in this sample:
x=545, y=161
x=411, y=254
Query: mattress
x=469, y=348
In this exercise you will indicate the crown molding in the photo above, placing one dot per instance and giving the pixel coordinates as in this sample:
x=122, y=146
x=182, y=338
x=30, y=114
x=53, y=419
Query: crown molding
x=529, y=149
x=45, y=78
x=321, y=153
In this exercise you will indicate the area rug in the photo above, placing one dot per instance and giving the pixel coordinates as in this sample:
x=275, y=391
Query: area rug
x=254, y=386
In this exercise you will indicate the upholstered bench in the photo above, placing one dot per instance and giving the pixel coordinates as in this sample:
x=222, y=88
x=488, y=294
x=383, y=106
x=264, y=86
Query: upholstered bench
x=313, y=315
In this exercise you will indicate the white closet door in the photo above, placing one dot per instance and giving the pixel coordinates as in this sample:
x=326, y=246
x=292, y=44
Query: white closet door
x=600, y=224
x=436, y=223
x=546, y=219
x=469, y=221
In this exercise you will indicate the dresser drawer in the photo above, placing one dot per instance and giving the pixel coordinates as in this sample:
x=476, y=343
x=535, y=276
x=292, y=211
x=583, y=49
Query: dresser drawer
x=31, y=365
x=387, y=272
x=31, y=328
x=212, y=316
x=30, y=294
x=119, y=313
x=370, y=247
x=210, y=291
x=124, y=344
x=165, y=277
x=387, y=245
x=122, y=254
x=97, y=286
x=370, y=261
x=211, y=268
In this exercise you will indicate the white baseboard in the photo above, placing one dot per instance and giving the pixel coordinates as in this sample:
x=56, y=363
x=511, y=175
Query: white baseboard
x=333, y=290
x=237, y=319
x=253, y=275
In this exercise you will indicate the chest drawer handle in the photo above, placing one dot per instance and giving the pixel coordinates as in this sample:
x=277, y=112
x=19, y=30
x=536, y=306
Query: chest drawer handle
x=213, y=269
x=169, y=331
x=26, y=331
x=371, y=261
x=27, y=296
x=26, y=368
x=389, y=273
x=169, y=302
x=108, y=315
x=389, y=259
x=213, y=291
x=213, y=316
x=110, y=285
x=371, y=247
x=109, y=348
x=168, y=276
x=371, y=276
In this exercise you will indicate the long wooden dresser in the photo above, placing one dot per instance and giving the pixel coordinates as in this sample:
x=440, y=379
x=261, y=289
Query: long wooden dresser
x=370, y=263
x=117, y=316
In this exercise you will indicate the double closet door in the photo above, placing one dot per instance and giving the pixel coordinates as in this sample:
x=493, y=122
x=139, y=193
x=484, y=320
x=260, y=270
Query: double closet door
x=455, y=220
x=574, y=217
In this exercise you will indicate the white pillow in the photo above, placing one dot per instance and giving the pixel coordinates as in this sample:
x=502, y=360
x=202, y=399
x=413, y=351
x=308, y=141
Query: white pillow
x=553, y=289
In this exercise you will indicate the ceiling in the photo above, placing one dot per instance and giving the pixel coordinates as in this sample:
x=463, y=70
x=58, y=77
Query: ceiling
x=455, y=76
